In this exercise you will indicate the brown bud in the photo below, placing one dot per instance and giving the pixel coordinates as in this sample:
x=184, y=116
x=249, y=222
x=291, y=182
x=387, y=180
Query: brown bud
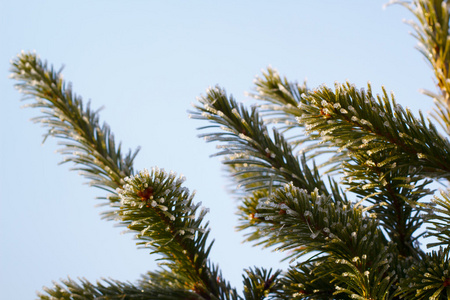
x=145, y=194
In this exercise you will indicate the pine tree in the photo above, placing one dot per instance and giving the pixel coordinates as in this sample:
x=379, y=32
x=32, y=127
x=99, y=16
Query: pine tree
x=361, y=232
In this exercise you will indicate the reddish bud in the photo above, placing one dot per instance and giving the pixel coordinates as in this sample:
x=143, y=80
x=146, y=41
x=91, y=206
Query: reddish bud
x=145, y=194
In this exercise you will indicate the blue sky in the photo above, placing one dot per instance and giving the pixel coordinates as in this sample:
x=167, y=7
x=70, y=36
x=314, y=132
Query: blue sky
x=146, y=62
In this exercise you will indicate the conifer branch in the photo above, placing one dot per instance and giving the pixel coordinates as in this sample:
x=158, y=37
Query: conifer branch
x=350, y=244
x=329, y=278
x=163, y=285
x=432, y=32
x=369, y=165
x=308, y=221
x=280, y=100
x=439, y=218
x=283, y=100
x=161, y=212
x=259, y=160
x=301, y=281
x=389, y=152
x=168, y=283
x=259, y=283
x=109, y=289
x=351, y=119
x=428, y=278
x=115, y=290
x=88, y=144
x=153, y=204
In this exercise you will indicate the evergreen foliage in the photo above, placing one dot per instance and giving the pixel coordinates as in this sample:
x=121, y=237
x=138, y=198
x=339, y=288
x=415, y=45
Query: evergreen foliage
x=358, y=249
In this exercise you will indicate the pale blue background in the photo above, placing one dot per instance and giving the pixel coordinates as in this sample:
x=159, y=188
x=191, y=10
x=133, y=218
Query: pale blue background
x=146, y=61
